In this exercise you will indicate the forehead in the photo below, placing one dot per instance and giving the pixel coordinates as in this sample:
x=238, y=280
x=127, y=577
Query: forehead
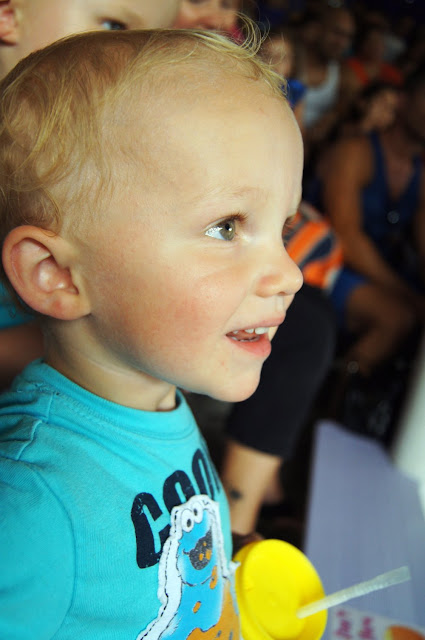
x=184, y=153
x=210, y=85
x=226, y=116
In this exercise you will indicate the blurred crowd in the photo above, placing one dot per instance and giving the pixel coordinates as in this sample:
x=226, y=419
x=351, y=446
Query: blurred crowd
x=355, y=76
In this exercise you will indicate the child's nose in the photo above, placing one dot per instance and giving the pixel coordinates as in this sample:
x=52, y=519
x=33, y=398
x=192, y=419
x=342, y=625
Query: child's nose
x=281, y=275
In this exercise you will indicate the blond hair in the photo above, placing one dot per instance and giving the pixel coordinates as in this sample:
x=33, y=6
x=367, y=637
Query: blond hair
x=56, y=136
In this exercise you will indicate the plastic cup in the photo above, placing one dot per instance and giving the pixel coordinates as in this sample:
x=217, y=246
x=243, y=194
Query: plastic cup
x=398, y=632
x=274, y=579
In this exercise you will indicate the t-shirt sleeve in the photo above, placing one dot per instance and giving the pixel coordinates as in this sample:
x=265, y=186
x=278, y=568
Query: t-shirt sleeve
x=36, y=556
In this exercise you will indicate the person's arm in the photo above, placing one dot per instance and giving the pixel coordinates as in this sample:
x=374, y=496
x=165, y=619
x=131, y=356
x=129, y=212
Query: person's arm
x=349, y=169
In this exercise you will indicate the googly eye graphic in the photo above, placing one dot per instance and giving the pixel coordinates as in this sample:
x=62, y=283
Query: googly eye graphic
x=188, y=520
x=197, y=511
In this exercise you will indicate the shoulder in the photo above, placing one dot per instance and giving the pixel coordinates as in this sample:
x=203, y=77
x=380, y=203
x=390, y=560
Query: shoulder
x=23, y=408
x=354, y=155
x=37, y=554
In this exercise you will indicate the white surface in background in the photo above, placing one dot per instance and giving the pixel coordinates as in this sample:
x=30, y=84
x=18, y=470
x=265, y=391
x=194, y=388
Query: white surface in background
x=346, y=623
x=409, y=446
x=365, y=518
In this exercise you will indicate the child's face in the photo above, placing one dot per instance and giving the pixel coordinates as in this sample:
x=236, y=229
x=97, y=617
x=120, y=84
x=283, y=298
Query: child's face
x=41, y=22
x=383, y=109
x=187, y=260
x=280, y=54
x=207, y=14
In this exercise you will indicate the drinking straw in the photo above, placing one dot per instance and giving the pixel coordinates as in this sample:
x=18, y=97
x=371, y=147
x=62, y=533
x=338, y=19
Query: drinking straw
x=384, y=580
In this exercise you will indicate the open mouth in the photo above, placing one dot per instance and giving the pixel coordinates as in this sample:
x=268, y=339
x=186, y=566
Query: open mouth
x=248, y=335
x=201, y=554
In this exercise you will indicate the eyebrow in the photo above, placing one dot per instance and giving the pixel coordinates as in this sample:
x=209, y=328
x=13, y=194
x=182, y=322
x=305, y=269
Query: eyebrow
x=218, y=192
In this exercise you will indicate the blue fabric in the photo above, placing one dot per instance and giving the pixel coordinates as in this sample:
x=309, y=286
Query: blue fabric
x=106, y=514
x=296, y=91
x=386, y=222
x=10, y=315
x=346, y=281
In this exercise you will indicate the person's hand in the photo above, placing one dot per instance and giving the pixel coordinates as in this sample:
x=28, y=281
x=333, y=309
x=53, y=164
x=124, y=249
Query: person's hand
x=240, y=540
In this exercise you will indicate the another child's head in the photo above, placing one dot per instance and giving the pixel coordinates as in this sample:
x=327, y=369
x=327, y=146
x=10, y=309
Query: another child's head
x=27, y=25
x=219, y=15
x=141, y=212
x=279, y=50
x=336, y=33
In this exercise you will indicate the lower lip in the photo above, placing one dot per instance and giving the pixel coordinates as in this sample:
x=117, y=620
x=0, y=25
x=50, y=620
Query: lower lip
x=260, y=348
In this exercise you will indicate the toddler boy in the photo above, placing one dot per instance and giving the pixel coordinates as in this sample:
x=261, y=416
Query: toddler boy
x=141, y=217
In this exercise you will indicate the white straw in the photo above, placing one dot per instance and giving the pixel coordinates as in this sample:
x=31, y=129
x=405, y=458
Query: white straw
x=396, y=576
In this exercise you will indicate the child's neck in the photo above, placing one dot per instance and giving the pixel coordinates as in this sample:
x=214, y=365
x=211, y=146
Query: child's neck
x=130, y=388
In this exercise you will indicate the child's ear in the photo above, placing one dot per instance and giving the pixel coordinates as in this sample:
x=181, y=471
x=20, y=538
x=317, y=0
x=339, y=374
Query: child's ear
x=8, y=23
x=39, y=267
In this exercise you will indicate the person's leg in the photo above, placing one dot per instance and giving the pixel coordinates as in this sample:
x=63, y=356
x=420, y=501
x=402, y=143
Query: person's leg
x=382, y=321
x=246, y=476
x=263, y=429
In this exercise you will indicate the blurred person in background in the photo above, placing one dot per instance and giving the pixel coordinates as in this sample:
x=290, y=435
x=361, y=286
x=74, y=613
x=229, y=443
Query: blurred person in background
x=374, y=195
x=368, y=64
x=213, y=15
x=280, y=50
x=320, y=71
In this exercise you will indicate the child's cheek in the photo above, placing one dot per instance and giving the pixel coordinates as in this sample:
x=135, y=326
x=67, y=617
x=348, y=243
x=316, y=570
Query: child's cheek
x=272, y=333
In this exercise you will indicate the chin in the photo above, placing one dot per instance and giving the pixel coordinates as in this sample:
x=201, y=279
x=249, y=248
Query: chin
x=235, y=392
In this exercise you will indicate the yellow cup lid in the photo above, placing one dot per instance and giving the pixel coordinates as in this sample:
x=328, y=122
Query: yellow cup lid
x=274, y=579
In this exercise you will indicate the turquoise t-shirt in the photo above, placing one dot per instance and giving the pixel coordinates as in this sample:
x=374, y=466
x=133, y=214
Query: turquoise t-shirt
x=114, y=522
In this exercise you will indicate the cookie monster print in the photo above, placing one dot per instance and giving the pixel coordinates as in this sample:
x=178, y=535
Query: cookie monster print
x=194, y=581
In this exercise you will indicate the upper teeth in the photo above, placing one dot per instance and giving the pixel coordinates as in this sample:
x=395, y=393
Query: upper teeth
x=257, y=330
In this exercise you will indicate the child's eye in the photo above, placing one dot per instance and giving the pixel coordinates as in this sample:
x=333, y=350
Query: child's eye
x=114, y=25
x=225, y=230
